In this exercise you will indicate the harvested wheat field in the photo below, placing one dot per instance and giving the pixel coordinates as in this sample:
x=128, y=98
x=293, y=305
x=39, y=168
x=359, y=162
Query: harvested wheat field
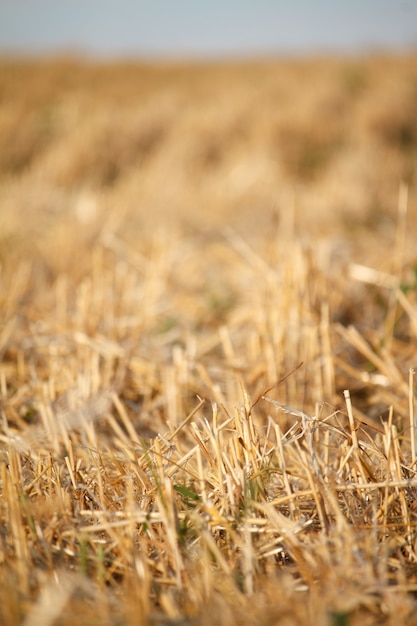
x=208, y=333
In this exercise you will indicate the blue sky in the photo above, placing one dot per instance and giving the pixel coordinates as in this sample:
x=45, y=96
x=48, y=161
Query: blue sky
x=204, y=28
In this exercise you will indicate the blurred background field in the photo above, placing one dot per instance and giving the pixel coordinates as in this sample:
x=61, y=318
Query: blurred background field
x=171, y=232
x=205, y=142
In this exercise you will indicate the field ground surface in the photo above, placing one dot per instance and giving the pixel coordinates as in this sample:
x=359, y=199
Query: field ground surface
x=208, y=335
